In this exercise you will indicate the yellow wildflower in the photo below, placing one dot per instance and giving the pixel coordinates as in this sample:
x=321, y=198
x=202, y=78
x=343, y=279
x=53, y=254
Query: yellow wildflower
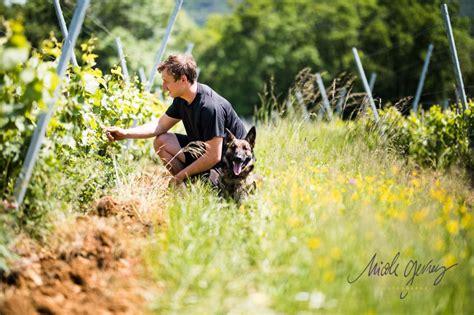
x=449, y=260
x=336, y=196
x=415, y=182
x=453, y=227
x=335, y=253
x=293, y=221
x=329, y=276
x=448, y=205
x=370, y=179
x=438, y=195
x=314, y=243
x=392, y=212
x=420, y=215
x=466, y=221
x=439, y=245
x=409, y=251
x=392, y=197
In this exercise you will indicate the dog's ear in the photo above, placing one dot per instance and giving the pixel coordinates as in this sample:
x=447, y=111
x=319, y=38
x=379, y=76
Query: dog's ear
x=251, y=135
x=230, y=136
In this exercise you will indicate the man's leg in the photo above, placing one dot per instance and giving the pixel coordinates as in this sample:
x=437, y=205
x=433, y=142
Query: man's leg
x=166, y=146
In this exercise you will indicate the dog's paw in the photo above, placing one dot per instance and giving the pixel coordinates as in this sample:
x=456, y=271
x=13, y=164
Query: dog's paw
x=214, y=177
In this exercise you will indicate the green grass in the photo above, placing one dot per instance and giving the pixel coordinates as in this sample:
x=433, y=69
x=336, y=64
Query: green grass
x=327, y=204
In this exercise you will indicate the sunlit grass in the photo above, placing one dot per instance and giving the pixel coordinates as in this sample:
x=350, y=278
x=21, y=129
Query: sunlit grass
x=326, y=206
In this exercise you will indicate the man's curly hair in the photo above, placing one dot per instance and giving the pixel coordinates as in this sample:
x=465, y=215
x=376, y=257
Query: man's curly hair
x=177, y=65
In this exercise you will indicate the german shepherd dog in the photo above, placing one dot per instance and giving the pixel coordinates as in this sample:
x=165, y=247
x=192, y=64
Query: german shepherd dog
x=233, y=178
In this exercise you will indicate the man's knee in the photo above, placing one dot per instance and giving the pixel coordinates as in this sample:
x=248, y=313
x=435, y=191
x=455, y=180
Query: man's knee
x=161, y=141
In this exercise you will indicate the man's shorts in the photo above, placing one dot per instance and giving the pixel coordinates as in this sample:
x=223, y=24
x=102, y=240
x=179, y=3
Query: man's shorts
x=184, y=141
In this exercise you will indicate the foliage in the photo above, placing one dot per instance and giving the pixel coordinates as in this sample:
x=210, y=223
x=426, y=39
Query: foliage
x=75, y=163
x=265, y=38
x=434, y=138
x=140, y=24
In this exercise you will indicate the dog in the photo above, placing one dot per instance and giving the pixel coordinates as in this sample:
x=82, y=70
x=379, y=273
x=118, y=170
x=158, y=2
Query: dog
x=234, y=178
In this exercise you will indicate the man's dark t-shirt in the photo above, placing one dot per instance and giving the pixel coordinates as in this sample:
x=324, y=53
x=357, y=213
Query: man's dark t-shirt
x=207, y=116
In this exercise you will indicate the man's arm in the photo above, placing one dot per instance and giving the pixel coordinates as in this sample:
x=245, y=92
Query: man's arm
x=154, y=128
x=207, y=161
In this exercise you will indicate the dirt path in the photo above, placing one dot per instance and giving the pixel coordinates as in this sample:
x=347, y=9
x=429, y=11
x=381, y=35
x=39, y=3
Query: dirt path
x=91, y=265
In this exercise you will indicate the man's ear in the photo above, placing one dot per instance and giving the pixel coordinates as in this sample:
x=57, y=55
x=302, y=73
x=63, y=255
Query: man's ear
x=229, y=136
x=251, y=135
x=183, y=78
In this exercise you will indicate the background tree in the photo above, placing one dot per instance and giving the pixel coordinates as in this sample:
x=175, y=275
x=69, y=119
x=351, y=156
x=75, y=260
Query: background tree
x=265, y=38
x=140, y=24
x=260, y=39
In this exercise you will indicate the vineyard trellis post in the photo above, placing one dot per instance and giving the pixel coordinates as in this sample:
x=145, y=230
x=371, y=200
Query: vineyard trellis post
x=43, y=119
x=454, y=56
x=141, y=74
x=123, y=62
x=126, y=78
x=366, y=84
x=164, y=42
x=422, y=78
x=189, y=51
x=373, y=78
x=189, y=48
x=63, y=27
x=324, y=96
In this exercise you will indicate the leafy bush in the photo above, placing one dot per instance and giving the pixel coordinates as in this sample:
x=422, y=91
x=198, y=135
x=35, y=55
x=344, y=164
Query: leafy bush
x=75, y=161
x=431, y=139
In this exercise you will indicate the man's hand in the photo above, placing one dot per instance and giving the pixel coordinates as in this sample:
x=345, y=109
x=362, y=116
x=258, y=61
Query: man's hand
x=205, y=162
x=175, y=181
x=115, y=133
x=8, y=204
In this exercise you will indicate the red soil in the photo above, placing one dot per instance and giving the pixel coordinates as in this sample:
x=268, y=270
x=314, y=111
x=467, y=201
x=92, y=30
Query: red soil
x=88, y=270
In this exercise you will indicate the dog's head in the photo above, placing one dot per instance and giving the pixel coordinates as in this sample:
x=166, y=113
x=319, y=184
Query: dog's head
x=238, y=155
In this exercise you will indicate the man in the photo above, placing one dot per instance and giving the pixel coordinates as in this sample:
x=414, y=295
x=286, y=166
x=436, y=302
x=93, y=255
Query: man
x=205, y=115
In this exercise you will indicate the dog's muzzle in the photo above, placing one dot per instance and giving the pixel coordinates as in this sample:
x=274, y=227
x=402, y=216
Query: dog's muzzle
x=239, y=164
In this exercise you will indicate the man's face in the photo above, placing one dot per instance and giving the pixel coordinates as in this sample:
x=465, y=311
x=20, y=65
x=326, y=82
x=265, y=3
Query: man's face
x=174, y=87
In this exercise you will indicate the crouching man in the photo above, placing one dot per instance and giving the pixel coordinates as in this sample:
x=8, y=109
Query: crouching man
x=205, y=115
